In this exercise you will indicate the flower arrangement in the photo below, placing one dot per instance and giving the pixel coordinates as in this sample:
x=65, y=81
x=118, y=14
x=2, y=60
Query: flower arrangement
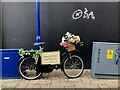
x=70, y=38
x=33, y=53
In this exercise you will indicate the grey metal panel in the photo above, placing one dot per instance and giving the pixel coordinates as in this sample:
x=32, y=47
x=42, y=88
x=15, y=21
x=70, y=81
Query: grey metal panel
x=101, y=65
x=106, y=66
x=93, y=62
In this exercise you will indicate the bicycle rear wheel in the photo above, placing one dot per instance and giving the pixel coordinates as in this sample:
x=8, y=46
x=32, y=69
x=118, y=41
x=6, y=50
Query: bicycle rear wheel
x=73, y=66
x=28, y=69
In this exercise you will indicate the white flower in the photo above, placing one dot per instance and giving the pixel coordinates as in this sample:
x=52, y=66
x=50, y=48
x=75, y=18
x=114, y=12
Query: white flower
x=71, y=40
x=68, y=34
x=77, y=38
x=63, y=39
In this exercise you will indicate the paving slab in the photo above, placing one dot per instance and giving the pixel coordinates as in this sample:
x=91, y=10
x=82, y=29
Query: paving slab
x=58, y=81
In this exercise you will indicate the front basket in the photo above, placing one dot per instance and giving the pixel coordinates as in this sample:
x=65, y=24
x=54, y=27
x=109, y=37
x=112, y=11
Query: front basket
x=71, y=47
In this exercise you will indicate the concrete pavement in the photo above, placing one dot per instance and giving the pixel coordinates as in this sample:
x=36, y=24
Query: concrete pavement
x=57, y=79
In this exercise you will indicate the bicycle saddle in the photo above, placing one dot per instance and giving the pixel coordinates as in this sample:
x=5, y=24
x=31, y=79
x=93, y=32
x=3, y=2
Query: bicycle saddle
x=39, y=44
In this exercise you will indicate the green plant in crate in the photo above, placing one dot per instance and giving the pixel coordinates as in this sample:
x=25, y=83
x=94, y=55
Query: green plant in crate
x=33, y=53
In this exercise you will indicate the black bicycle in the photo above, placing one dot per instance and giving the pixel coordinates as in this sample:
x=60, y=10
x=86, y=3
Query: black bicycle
x=31, y=67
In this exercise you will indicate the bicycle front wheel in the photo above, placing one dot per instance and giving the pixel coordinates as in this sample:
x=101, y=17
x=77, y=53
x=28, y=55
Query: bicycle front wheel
x=28, y=69
x=73, y=66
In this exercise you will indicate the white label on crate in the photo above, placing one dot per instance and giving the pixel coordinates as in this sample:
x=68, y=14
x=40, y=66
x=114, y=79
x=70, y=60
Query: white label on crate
x=6, y=58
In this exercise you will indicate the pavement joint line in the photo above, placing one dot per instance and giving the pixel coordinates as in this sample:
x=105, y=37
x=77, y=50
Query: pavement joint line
x=56, y=81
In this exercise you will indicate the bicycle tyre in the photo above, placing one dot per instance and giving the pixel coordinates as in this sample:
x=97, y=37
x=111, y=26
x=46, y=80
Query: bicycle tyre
x=28, y=63
x=66, y=62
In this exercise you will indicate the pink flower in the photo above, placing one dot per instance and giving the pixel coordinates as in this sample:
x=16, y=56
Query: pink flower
x=65, y=44
x=78, y=41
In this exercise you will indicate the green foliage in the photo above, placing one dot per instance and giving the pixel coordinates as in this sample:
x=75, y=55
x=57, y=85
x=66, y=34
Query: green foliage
x=33, y=53
x=118, y=51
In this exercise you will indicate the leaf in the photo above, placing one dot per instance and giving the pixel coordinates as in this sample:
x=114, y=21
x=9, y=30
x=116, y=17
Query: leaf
x=34, y=53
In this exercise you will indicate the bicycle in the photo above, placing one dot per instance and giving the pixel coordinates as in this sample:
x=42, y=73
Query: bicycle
x=30, y=66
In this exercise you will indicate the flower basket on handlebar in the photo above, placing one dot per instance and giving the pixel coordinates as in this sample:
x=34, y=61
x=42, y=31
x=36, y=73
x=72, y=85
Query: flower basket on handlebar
x=69, y=41
x=70, y=47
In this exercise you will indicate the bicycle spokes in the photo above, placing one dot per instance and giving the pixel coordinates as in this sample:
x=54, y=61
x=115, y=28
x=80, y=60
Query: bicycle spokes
x=28, y=69
x=73, y=67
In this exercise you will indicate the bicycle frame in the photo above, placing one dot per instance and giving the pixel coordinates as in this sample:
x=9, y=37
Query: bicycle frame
x=48, y=67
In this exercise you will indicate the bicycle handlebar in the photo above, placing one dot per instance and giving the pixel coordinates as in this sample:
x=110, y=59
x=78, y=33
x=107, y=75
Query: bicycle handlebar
x=39, y=44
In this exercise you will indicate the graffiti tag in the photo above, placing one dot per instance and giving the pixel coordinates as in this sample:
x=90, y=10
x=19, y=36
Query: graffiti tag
x=79, y=13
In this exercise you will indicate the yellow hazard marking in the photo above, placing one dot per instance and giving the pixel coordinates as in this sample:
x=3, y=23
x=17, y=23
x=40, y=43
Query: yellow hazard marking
x=110, y=54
